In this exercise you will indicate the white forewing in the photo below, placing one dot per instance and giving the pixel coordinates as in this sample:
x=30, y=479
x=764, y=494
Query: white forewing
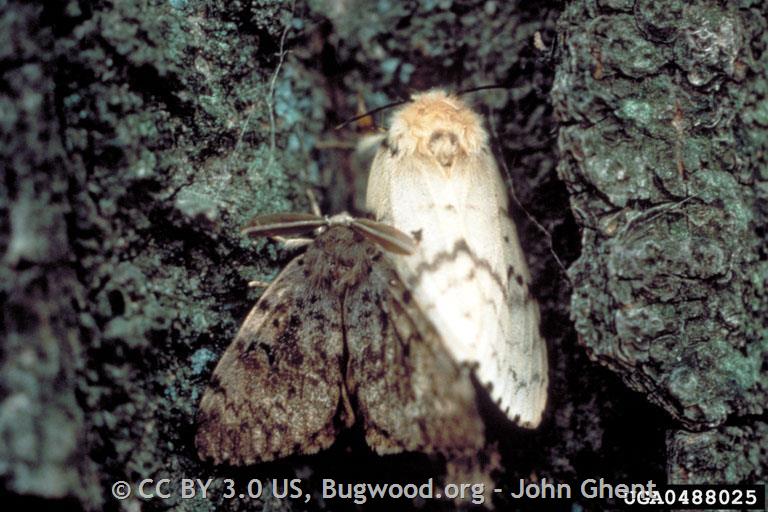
x=469, y=273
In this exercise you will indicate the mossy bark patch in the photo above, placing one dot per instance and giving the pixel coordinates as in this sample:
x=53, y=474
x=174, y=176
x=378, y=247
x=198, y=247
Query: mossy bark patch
x=664, y=155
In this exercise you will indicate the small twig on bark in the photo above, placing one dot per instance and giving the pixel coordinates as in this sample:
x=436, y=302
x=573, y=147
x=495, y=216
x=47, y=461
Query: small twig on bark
x=511, y=188
x=273, y=83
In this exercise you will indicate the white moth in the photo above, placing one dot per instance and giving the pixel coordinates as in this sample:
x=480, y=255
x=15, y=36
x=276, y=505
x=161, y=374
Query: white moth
x=435, y=178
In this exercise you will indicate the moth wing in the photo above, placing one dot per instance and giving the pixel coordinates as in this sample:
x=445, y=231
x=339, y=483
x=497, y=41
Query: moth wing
x=464, y=274
x=527, y=388
x=410, y=393
x=277, y=388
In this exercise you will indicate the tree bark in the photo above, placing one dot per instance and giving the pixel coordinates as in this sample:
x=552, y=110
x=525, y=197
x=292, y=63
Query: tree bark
x=138, y=137
x=662, y=146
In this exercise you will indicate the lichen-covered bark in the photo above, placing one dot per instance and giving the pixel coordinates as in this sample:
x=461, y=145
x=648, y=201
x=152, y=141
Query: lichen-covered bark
x=138, y=136
x=663, y=150
x=136, y=140
x=42, y=426
x=729, y=454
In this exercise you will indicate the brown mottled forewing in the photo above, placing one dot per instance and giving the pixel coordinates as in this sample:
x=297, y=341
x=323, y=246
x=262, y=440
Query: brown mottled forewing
x=278, y=387
x=411, y=395
x=281, y=387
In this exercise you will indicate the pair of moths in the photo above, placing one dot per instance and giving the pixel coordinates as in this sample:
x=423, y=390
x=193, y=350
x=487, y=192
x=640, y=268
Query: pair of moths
x=336, y=339
x=347, y=333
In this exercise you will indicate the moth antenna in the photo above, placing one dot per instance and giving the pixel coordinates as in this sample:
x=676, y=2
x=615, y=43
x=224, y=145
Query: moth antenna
x=386, y=236
x=371, y=112
x=481, y=88
x=402, y=102
x=283, y=224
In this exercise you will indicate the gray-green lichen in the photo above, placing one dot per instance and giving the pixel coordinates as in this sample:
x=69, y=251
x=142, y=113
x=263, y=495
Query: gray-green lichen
x=42, y=427
x=725, y=454
x=664, y=156
x=137, y=138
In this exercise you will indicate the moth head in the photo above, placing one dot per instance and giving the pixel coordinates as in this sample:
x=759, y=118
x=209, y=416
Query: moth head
x=437, y=126
x=340, y=257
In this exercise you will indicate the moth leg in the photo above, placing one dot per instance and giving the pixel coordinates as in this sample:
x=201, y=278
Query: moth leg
x=313, y=203
x=293, y=243
x=256, y=283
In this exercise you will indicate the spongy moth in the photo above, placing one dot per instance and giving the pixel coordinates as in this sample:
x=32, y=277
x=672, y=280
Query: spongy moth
x=435, y=178
x=336, y=340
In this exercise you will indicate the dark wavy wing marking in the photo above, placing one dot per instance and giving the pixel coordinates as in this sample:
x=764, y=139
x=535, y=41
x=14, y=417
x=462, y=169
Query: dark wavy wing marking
x=277, y=388
x=411, y=395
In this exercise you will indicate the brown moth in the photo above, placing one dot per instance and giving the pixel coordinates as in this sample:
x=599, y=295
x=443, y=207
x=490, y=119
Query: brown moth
x=336, y=340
